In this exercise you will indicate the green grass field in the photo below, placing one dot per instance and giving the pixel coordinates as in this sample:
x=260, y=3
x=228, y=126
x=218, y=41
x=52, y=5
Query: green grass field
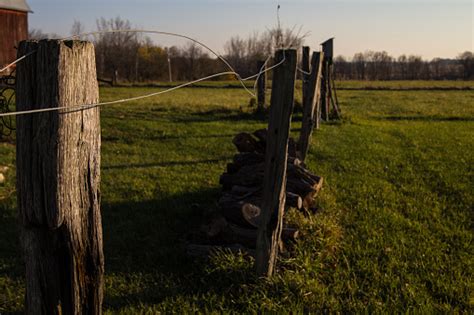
x=394, y=233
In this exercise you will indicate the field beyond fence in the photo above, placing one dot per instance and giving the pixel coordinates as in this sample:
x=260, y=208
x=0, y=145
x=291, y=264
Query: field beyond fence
x=393, y=233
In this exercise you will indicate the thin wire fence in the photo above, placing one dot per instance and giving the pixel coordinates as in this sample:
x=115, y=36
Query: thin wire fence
x=66, y=109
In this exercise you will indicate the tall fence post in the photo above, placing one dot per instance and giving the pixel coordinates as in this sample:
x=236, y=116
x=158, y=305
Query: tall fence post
x=310, y=105
x=324, y=92
x=306, y=68
x=319, y=84
x=58, y=178
x=276, y=155
x=261, y=86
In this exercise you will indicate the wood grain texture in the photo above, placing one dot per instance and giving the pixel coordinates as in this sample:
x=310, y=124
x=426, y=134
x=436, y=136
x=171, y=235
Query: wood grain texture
x=58, y=178
x=309, y=106
x=276, y=155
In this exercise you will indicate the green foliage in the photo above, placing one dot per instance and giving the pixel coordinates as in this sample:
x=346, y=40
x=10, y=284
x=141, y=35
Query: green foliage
x=394, y=232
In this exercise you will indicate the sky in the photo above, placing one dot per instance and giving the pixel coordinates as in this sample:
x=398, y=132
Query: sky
x=428, y=28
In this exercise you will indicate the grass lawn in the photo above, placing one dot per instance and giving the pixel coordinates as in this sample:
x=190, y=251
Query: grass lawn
x=394, y=232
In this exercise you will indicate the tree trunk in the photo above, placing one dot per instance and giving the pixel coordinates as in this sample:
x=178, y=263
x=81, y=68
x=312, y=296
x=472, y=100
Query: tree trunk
x=58, y=178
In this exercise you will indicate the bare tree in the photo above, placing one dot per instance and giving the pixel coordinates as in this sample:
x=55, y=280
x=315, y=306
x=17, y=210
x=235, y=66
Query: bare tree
x=117, y=52
x=359, y=66
x=39, y=34
x=414, y=66
x=77, y=28
x=466, y=59
x=243, y=54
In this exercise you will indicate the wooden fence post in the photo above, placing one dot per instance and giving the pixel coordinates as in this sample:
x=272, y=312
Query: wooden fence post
x=324, y=92
x=274, y=185
x=261, y=86
x=311, y=103
x=58, y=178
x=306, y=68
x=319, y=84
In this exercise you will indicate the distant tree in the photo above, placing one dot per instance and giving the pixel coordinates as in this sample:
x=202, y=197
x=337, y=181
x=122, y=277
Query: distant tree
x=243, y=54
x=382, y=63
x=152, y=62
x=192, y=53
x=359, y=66
x=435, y=69
x=39, y=34
x=402, y=63
x=414, y=67
x=116, y=52
x=77, y=28
x=36, y=34
x=342, y=68
x=466, y=59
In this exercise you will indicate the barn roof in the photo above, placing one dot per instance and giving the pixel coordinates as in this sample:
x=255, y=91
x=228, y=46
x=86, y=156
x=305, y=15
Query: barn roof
x=17, y=5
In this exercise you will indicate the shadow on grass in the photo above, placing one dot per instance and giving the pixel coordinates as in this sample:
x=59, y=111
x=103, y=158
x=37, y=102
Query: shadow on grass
x=165, y=164
x=144, y=244
x=221, y=114
x=425, y=118
x=112, y=138
x=10, y=252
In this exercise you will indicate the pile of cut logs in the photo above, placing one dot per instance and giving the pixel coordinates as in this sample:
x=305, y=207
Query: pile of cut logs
x=235, y=225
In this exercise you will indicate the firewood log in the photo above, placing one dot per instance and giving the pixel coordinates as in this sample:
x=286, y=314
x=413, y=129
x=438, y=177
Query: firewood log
x=248, y=158
x=261, y=135
x=215, y=226
x=242, y=191
x=248, y=237
x=241, y=212
x=250, y=175
x=294, y=200
x=245, y=142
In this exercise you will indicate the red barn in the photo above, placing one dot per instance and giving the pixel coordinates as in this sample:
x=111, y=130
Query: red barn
x=13, y=28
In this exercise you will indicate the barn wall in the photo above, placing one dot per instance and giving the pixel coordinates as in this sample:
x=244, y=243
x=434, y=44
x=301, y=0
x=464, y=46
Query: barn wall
x=13, y=29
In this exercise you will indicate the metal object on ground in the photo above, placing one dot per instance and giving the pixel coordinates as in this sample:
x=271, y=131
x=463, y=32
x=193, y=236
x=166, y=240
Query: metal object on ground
x=7, y=104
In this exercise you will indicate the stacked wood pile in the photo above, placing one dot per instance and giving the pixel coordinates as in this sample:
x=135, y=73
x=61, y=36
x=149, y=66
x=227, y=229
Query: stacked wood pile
x=238, y=218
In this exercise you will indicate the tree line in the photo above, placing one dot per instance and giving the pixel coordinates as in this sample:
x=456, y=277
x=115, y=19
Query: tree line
x=132, y=57
x=374, y=65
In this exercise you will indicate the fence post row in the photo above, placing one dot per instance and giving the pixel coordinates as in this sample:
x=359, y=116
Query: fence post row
x=58, y=178
x=309, y=106
x=276, y=155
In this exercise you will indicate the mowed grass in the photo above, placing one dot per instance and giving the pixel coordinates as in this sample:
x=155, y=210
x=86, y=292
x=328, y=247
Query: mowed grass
x=394, y=232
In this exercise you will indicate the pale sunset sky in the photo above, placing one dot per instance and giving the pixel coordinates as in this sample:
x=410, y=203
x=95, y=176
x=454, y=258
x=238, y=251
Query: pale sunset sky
x=429, y=28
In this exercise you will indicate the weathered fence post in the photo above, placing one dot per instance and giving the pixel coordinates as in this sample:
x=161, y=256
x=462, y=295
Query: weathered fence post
x=58, y=177
x=324, y=92
x=274, y=186
x=319, y=84
x=306, y=68
x=261, y=86
x=311, y=103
